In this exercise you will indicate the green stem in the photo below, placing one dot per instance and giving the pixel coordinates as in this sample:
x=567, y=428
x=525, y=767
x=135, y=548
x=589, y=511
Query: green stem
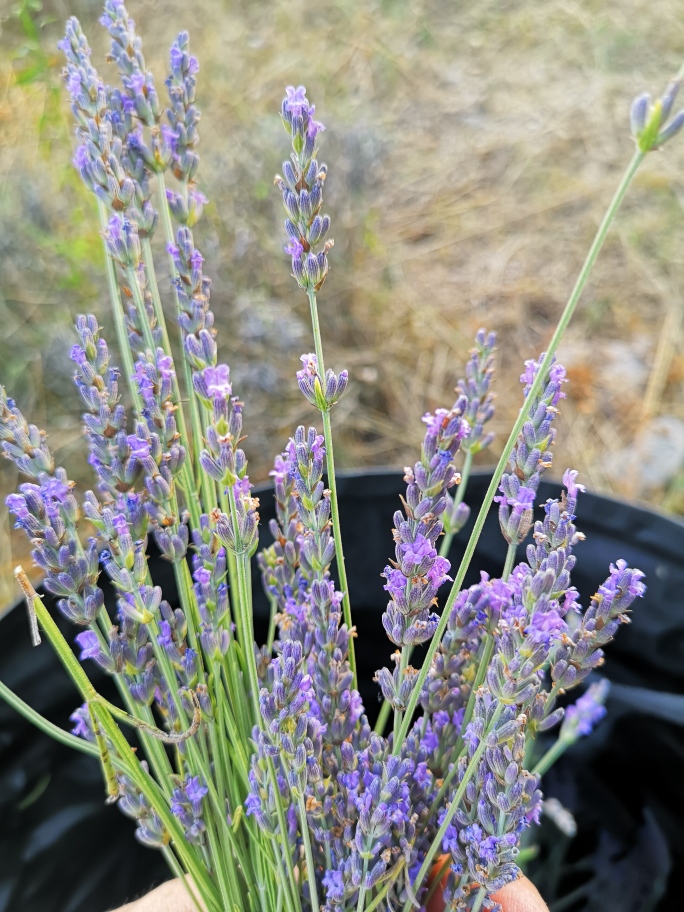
x=535, y=389
x=308, y=854
x=126, y=757
x=176, y=869
x=166, y=345
x=486, y=654
x=188, y=482
x=332, y=484
x=54, y=731
x=458, y=498
x=553, y=753
x=383, y=716
x=271, y=623
x=403, y=664
x=208, y=495
x=391, y=880
x=510, y=560
x=471, y=769
x=437, y=879
x=479, y=899
x=119, y=318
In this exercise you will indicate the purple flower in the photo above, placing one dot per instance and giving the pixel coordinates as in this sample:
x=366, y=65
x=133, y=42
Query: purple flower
x=16, y=504
x=140, y=448
x=296, y=102
x=545, y=626
x=82, y=723
x=202, y=576
x=581, y=718
x=569, y=477
x=89, y=643
x=294, y=248
x=217, y=381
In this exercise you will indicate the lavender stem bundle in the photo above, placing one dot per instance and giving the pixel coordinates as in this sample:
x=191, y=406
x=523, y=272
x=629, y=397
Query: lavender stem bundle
x=257, y=774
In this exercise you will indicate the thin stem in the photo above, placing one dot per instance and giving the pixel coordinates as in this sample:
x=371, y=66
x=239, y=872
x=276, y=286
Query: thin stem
x=383, y=716
x=54, y=731
x=391, y=880
x=332, y=484
x=510, y=560
x=271, y=623
x=535, y=389
x=437, y=879
x=403, y=664
x=119, y=319
x=188, y=482
x=487, y=647
x=426, y=867
x=166, y=345
x=308, y=854
x=362, y=892
x=176, y=869
x=458, y=498
x=197, y=434
x=479, y=899
x=553, y=753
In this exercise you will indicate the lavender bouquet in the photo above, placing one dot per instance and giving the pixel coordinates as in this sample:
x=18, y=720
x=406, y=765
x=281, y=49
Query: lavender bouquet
x=255, y=770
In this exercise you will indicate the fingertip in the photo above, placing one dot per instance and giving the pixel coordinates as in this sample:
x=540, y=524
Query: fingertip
x=520, y=896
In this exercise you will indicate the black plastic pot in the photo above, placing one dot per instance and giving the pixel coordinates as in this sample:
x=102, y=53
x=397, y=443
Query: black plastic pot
x=62, y=850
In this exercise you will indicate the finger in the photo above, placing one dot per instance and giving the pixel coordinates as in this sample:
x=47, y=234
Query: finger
x=169, y=897
x=520, y=896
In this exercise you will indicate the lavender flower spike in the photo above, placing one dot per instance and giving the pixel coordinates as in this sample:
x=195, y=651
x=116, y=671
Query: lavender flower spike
x=302, y=187
x=531, y=455
x=581, y=718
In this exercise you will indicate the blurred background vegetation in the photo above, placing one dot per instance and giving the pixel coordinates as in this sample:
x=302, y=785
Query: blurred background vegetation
x=473, y=148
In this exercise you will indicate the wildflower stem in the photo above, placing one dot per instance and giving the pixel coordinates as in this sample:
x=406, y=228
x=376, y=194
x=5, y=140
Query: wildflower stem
x=510, y=560
x=186, y=474
x=391, y=880
x=166, y=344
x=118, y=314
x=479, y=899
x=123, y=749
x=534, y=391
x=54, y=731
x=455, y=804
x=403, y=664
x=487, y=648
x=308, y=854
x=332, y=482
x=208, y=494
x=437, y=879
x=383, y=716
x=553, y=753
x=458, y=498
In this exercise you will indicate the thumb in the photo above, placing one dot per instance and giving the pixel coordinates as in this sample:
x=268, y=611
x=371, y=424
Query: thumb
x=520, y=896
x=169, y=897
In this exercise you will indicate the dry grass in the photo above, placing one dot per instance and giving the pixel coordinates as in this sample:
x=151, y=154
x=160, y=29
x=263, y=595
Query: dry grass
x=472, y=148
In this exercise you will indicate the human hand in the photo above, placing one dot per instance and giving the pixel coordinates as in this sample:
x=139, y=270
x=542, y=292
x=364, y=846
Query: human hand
x=519, y=896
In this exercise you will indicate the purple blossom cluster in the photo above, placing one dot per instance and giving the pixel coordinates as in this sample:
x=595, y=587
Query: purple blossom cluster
x=301, y=184
x=186, y=804
x=150, y=831
x=319, y=391
x=414, y=578
x=479, y=373
x=105, y=420
x=295, y=572
x=106, y=158
x=532, y=453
